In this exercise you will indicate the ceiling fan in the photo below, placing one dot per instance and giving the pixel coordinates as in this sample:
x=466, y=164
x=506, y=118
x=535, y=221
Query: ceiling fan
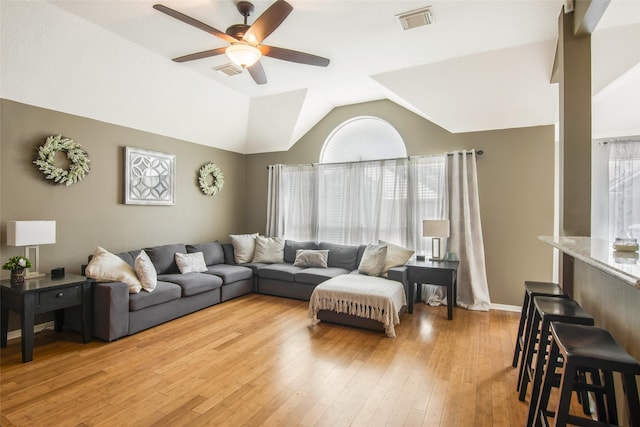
x=246, y=40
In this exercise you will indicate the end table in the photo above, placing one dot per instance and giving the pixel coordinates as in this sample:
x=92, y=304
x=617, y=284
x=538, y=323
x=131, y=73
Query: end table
x=440, y=273
x=43, y=295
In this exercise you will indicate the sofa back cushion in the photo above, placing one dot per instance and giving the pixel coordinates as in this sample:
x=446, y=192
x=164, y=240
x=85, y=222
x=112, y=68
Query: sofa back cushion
x=164, y=257
x=341, y=256
x=291, y=247
x=213, y=253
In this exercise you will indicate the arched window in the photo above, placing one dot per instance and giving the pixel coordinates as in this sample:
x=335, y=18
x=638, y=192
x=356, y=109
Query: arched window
x=363, y=138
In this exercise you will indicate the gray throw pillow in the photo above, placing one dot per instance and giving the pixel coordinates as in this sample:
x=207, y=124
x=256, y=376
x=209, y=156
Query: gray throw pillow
x=291, y=249
x=373, y=260
x=311, y=258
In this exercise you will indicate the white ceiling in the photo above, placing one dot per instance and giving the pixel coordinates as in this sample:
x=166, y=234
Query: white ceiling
x=482, y=65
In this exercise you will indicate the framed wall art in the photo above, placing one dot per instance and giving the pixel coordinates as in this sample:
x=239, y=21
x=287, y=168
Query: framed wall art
x=149, y=177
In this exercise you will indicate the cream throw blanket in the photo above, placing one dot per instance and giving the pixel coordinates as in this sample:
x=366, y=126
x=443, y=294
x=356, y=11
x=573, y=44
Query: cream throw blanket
x=363, y=296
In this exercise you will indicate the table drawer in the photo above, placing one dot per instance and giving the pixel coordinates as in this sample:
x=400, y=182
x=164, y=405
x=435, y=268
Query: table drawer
x=424, y=275
x=60, y=298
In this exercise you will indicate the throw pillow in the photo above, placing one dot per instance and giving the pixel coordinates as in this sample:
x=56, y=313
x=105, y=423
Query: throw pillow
x=269, y=250
x=107, y=267
x=244, y=246
x=311, y=258
x=396, y=256
x=146, y=271
x=191, y=263
x=373, y=260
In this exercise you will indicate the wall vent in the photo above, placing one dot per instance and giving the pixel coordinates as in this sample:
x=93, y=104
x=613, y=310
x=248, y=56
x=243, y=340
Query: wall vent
x=228, y=69
x=416, y=18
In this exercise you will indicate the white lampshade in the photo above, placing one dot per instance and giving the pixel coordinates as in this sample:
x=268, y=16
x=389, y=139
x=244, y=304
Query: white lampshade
x=243, y=55
x=435, y=228
x=27, y=233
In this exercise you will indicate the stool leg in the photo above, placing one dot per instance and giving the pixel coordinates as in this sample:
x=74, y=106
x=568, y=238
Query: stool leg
x=633, y=402
x=566, y=387
x=612, y=408
x=601, y=409
x=537, y=371
x=540, y=405
x=523, y=316
x=527, y=353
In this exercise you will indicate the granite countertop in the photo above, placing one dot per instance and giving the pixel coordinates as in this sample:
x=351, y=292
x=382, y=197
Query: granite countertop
x=599, y=253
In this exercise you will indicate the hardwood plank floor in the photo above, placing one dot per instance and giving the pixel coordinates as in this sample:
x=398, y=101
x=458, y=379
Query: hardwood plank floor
x=257, y=361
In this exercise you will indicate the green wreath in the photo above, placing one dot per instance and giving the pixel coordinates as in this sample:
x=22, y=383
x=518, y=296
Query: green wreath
x=78, y=169
x=217, y=183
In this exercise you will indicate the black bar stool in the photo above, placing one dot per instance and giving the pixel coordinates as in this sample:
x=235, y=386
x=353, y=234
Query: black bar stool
x=532, y=289
x=592, y=349
x=547, y=310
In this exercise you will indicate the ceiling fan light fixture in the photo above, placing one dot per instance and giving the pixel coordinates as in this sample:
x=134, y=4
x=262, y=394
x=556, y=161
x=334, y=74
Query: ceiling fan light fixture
x=243, y=55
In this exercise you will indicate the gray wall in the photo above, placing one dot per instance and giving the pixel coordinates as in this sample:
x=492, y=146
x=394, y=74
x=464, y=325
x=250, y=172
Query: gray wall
x=92, y=212
x=515, y=176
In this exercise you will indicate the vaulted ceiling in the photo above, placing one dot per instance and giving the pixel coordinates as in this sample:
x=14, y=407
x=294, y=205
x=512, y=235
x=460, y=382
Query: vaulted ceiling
x=481, y=65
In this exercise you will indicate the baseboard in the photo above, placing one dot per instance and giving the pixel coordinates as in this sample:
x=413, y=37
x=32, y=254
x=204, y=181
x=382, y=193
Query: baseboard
x=504, y=307
x=37, y=328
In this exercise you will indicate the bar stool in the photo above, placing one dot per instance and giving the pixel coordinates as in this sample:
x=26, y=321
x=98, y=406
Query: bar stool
x=594, y=349
x=547, y=310
x=532, y=289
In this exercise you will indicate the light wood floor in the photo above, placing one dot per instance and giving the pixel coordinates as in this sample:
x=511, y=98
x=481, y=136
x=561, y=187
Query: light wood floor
x=257, y=361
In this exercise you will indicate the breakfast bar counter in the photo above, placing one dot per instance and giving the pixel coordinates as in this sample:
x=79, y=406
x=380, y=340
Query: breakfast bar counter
x=606, y=283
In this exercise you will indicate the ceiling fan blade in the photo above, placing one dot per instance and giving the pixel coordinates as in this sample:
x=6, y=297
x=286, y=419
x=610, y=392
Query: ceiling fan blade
x=200, y=55
x=192, y=21
x=267, y=22
x=293, y=56
x=257, y=72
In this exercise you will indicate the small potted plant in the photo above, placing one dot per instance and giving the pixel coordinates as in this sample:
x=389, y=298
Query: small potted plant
x=17, y=264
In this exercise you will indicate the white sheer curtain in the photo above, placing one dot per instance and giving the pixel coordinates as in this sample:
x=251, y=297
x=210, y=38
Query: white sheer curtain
x=362, y=202
x=466, y=231
x=624, y=189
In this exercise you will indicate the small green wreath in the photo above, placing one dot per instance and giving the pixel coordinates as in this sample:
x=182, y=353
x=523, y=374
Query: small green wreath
x=78, y=169
x=216, y=184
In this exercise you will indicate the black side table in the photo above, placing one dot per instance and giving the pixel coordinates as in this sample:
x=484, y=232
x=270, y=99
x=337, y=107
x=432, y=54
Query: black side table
x=41, y=296
x=439, y=273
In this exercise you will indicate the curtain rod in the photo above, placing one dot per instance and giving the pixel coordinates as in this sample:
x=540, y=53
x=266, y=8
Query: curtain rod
x=477, y=152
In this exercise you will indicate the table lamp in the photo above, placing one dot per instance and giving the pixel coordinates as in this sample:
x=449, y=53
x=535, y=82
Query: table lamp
x=436, y=229
x=31, y=234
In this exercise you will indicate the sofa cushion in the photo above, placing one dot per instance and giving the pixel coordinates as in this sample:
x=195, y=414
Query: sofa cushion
x=163, y=292
x=212, y=252
x=396, y=256
x=191, y=263
x=373, y=259
x=313, y=276
x=311, y=258
x=163, y=257
x=285, y=272
x=291, y=248
x=146, y=272
x=107, y=267
x=230, y=273
x=130, y=257
x=341, y=256
x=193, y=283
x=269, y=250
x=244, y=245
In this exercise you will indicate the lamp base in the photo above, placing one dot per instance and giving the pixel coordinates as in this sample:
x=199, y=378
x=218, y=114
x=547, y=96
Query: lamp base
x=33, y=275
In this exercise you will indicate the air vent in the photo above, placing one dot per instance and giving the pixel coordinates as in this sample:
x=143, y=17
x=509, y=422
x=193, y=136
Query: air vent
x=228, y=69
x=415, y=18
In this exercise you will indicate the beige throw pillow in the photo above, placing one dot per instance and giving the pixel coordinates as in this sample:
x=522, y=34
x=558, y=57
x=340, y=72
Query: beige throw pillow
x=311, y=258
x=244, y=246
x=191, y=263
x=373, y=259
x=396, y=256
x=269, y=250
x=107, y=267
x=146, y=271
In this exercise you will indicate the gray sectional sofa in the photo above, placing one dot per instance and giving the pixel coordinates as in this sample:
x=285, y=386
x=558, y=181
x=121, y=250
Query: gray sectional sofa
x=117, y=313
